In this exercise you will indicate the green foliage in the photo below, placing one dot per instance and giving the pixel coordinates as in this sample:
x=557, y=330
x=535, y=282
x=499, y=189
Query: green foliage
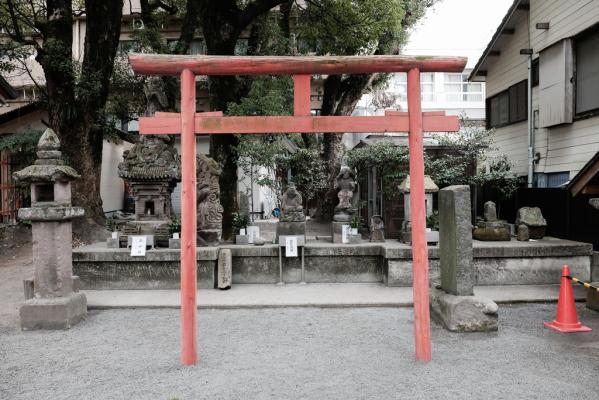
x=432, y=221
x=174, y=224
x=348, y=26
x=463, y=152
x=240, y=220
x=357, y=222
x=268, y=95
x=26, y=141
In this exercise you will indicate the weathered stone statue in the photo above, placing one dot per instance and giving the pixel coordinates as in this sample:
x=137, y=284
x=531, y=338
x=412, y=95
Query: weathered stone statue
x=377, y=229
x=292, y=209
x=491, y=229
x=210, y=211
x=54, y=302
x=346, y=184
x=292, y=220
x=532, y=217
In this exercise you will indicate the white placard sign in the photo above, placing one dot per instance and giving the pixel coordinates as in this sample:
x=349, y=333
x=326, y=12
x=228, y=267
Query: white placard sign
x=115, y=235
x=175, y=235
x=345, y=230
x=138, y=246
x=290, y=246
x=242, y=231
x=253, y=232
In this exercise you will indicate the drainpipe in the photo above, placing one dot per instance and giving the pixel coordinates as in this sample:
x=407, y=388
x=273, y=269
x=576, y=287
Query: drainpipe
x=531, y=139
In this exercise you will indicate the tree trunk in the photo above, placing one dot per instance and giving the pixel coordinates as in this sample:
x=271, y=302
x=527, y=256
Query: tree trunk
x=76, y=112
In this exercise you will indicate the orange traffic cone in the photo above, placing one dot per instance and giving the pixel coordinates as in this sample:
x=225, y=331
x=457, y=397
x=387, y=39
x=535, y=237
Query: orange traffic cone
x=566, y=319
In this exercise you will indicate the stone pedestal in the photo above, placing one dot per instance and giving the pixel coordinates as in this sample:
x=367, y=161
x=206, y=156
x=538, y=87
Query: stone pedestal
x=112, y=243
x=225, y=269
x=174, y=243
x=53, y=313
x=209, y=237
x=455, y=240
x=489, y=234
x=337, y=231
x=291, y=229
x=242, y=239
x=463, y=313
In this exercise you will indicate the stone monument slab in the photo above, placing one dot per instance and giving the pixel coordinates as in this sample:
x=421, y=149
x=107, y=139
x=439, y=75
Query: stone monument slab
x=455, y=240
x=225, y=269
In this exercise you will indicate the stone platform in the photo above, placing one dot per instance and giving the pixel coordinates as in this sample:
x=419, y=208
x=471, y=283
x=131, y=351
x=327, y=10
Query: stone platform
x=495, y=264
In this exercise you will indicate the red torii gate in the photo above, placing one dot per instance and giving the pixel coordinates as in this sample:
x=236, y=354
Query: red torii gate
x=189, y=123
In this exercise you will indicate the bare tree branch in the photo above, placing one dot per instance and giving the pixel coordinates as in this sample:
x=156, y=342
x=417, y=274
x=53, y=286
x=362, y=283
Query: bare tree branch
x=254, y=9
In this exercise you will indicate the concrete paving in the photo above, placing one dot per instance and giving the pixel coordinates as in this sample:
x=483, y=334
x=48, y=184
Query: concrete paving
x=300, y=353
x=310, y=295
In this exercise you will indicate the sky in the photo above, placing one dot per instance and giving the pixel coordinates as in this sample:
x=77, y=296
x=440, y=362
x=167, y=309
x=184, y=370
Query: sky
x=457, y=28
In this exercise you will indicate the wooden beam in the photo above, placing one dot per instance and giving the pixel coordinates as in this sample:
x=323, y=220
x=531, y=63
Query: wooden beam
x=301, y=124
x=168, y=64
x=301, y=95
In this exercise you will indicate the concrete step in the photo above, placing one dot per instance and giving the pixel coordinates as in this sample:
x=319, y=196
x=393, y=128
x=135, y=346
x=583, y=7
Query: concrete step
x=310, y=295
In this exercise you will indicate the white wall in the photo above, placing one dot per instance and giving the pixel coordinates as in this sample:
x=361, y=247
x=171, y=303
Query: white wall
x=565, y=148
x=112, y=189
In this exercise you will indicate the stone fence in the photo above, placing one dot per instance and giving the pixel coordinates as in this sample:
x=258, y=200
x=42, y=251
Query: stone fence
x=495, y=263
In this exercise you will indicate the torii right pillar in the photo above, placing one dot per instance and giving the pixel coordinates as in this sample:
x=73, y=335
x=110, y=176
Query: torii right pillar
x=422, y=331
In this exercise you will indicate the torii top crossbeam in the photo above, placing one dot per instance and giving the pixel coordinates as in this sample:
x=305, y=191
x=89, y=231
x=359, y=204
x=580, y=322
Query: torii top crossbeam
x=164, y=64
x=189, y=123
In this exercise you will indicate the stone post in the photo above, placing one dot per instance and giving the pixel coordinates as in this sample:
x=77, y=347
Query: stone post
x=225, y=269
x=455, y=305
x=455, y=241
x=56, y=304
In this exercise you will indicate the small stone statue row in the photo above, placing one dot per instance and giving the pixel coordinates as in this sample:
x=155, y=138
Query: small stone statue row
x=530, y=224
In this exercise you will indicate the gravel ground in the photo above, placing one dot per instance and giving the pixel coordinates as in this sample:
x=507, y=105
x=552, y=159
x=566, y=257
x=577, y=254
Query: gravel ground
x=299, y=354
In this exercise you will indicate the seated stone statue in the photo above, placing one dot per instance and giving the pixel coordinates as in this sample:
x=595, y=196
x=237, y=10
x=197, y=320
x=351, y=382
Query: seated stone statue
x=346, y=185
x=292, y=209
x=491, y=228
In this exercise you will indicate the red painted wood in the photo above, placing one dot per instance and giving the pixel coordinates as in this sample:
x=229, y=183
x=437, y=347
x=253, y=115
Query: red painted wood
x=189, y=219
x=160, y=114
x=168, y=64
x=422, y=335
x=301, y=95
x=336, y=124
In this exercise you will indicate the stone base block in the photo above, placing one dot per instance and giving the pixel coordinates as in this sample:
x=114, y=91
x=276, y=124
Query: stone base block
x=53, y=313
x=464, y=313
x=242, y=239
x=405, y=237
x=112, y=243
x=174, y=243
x=355, y=239
x=537, y=232
x=491, y=234
x=209, y=237
x=291, y=229
x=593, y=297
x=337, y=231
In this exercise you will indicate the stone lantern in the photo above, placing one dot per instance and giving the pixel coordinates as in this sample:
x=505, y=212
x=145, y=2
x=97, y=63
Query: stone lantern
x=429, y=188
x=55, y=303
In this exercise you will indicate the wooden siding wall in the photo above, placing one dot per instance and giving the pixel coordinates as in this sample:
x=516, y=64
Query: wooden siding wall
x=564, y=148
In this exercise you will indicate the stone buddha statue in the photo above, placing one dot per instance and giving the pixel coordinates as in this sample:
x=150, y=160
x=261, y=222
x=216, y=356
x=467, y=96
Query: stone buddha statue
x=292, y=209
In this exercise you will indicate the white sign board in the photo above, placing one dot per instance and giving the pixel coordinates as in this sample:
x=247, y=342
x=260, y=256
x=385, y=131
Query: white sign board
x=138, y=246
x=253, y=232
x=345, y=231
x=242, y=231
x=290, y=246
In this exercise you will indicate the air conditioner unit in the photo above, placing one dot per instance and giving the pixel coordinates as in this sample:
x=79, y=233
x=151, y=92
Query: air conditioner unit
x=137, y=23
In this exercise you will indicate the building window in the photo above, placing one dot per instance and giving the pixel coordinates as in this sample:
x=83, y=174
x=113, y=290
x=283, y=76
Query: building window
x=427, y=86
x=535, y=72
x=400, y=87
x=587, y=71
x=457, y=88
x=508, y=107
